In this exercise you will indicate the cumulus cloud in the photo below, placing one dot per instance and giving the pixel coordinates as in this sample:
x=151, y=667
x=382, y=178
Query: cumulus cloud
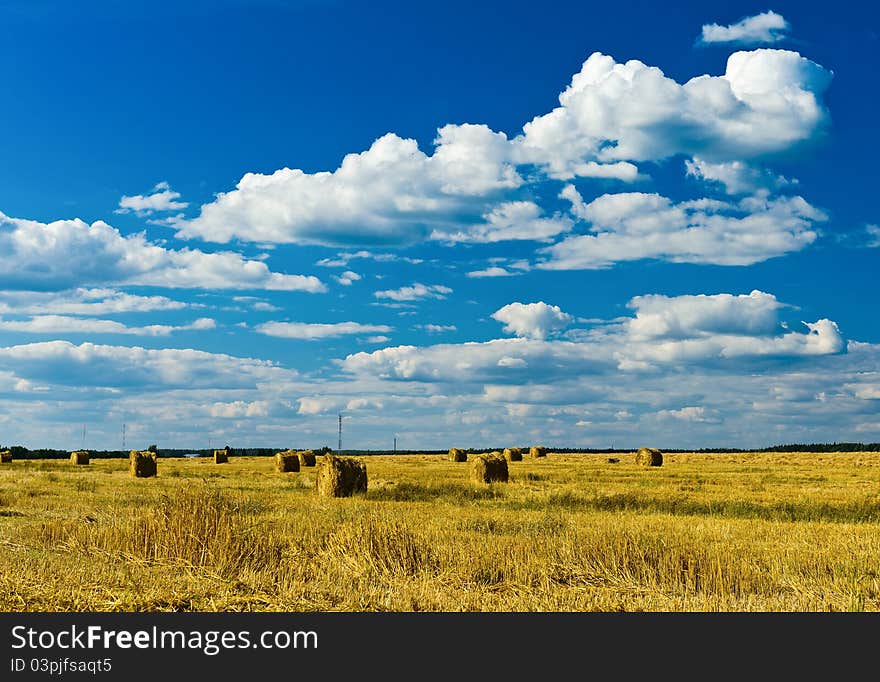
x=62, y=324
x=65, y=254
x=736, y=177
x=491, y=271
x=93, y=365
x=510, y=221
x=658, y=316
x=635, y=225
x=473, y=187
x=415, y=292
x=873, y=232
x=84, y=301
x=532, y=320
x=319, y=405
x=767, y=27
x=239, y=409
x=437, y=328
x=311, y=331
x=665, y=332
x=162, y=198
x=343, y=259
x=692, y=413
x=393, y=193
x=767, y=101
x=348, y=278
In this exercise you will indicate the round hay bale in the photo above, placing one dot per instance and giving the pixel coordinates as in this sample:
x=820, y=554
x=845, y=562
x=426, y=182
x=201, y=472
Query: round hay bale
x=307, y=458
x=489, y=468
x=649, y=457
x=340, y=476
x=512, y=454
x=537, y=451
x=287, y=461
x=79, y=457
x=142, y=463
x=222, y=456
x=612, y=460
x=457, y=455
x=5, y=456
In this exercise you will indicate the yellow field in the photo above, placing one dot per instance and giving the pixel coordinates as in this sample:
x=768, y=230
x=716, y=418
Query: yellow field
x=740, y=532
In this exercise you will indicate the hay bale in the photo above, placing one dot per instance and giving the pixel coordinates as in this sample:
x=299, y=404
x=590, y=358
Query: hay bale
x=340, y=476
x=142, y=463
x=537, y=451
x=79, y=457
x=457, y=455
x=612, y=460
x=649, y=457
x=489, y=468
x=5, y=456
x=512, y=454
x=222, y=456
x=307, y=458
x=287, y=461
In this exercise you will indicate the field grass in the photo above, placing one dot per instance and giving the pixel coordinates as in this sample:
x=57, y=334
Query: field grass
x=704, y=532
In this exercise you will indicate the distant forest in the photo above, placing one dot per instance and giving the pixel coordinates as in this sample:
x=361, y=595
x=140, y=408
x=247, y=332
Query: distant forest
x=19, y=452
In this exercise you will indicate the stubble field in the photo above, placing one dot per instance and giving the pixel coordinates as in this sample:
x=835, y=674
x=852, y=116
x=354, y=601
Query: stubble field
x=716, y=532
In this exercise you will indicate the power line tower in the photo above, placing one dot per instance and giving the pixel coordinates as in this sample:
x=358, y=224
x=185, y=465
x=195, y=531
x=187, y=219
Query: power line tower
x=395, y=444
x=123, y=435
x=340, y=433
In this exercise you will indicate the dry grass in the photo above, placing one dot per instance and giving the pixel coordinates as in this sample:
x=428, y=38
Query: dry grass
x=740, y=532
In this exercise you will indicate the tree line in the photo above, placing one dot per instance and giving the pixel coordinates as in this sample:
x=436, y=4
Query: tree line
x=20, y=452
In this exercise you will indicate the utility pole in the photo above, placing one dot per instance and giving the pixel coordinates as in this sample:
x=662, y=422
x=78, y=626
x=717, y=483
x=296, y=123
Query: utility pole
x=339, y=448
x=84, y=438
x=395, y=444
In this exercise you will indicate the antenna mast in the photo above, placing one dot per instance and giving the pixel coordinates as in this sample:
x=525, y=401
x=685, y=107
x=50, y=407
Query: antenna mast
x=123, y=435
x=340, y=432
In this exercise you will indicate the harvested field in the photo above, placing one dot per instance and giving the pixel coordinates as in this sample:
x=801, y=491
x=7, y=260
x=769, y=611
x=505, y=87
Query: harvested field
x=717, y=532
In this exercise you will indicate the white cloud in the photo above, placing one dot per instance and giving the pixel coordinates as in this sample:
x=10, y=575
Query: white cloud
x=473, y=189
x=510, y=221
x=83, y=301
x=736, y=177
x=319, y=405
x=240, y=408
x=62, y=324
x=687, y=316
x=310, y=331
x=390, y=194
x=343, y=259
x=767, y=27
x=865, y=391
x=532, y=320
x=162, y=198
x=687, y=331
x=635, y=225
x=437, y=328
x=873, y=232
x=71, y=253
x=693, y=413
x=415, y=292
x=492, y=271
x=767, y=101
x=347, y=278
x=136, y=368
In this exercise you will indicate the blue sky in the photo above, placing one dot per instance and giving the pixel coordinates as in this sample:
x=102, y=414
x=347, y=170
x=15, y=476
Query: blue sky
x=459, y=224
